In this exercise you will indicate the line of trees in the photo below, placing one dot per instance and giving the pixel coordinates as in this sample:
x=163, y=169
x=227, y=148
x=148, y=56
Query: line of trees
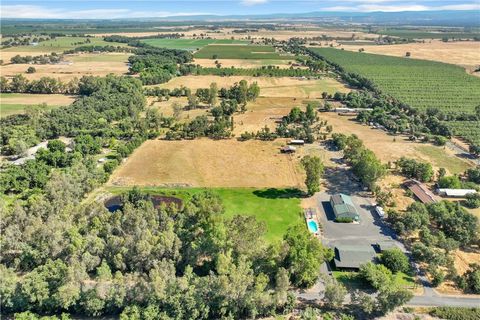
x=45, y=85
x=366, y=166
x=41, y=59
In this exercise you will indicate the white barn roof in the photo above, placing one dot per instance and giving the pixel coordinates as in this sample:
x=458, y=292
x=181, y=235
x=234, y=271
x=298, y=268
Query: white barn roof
x=456, y=192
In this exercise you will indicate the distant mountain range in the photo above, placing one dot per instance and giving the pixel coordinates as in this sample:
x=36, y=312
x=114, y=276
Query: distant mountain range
x=424, y=18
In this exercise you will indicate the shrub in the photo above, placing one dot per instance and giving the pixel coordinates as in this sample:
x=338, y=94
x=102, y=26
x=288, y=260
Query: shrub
x=456, y=313
x=31, y=70
x=395, y=260
x=344, y=220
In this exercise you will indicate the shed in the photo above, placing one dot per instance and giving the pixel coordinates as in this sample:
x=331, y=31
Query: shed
x=343, y=207
x=353, y=256
x=420, y=191
x=288, y=149
x=297, y=142
x=456, y=193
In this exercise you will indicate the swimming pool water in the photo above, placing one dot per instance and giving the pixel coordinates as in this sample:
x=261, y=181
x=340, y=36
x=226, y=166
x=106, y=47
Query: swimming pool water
x=312, y=226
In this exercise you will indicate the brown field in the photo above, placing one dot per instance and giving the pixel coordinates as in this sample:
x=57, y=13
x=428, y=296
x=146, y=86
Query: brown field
x=74, y=66
x=269, y=87
x=387, y=150
x=209, y=163
x=33, y=99
x=242, y=63
x=165, y=107
x=464, y=53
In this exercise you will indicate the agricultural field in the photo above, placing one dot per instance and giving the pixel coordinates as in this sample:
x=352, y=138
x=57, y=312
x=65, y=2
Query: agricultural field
x=270, y=87
x=421, y=84
x=244, y=63
x=15, y=103
x=470, y=130
x=240, y=52
x=209, y=163
x=76, y=65
x=189, y=44
x=463, y=53
x=428, y=34
x=61, y=44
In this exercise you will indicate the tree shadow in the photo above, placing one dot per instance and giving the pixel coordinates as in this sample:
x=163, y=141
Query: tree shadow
x=274, y=193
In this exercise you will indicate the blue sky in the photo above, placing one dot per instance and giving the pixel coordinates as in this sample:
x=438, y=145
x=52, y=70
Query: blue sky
x=109, y=9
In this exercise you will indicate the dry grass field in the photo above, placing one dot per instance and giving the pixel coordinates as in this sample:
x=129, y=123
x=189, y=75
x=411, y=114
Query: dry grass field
x=209, y=163
x=269, y=87
x=74, y=66
x=465, y=53
x=15, y=103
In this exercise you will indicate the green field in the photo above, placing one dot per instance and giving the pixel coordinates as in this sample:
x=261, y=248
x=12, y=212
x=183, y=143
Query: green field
x=278, y=208
x=470, y=130
x=240, y=52
x=189, y=44
x=61, y=44
x=419, y=83
x=454, y=165
x=352, y=281
x=99, y=57
x=9, y=109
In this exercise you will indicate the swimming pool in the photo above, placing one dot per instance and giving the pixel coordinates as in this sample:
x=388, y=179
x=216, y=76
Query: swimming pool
x=312, y=226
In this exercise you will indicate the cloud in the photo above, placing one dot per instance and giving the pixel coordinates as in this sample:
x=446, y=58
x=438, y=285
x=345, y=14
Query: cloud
x=32, y=11
x=381, y=5
x=253, y=2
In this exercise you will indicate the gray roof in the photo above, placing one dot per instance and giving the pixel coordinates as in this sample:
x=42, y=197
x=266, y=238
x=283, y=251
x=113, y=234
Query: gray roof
x=353, y=256
x=387, y=245
x=343, y=204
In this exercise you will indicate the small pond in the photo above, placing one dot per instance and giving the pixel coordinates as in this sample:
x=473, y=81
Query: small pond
x=115, y=203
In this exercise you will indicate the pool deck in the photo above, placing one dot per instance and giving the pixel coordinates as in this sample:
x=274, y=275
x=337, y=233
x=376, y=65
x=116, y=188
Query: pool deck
x=310, y=214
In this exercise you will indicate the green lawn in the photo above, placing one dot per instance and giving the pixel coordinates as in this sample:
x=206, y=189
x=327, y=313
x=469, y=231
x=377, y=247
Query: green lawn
x=189, y=44
x=453, y=164
x=240, y=52
x=278, y=208
x=7, y=109
x=61, y=44
x=352, y=281
x=100, y=57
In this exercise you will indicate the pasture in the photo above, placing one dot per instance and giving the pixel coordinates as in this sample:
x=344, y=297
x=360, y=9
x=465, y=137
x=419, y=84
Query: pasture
x=15, y=103
x=421, y=84
x=269, y=86
x=277, y=208
x=243, y=63
x=189, y=44
x=61, y=44
x=209, y=163
x=240, y=52
x=77, y=65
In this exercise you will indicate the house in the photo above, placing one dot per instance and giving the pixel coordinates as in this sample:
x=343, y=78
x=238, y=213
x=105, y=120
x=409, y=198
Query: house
x=353, y=256
x=343, y=207
x=455, y=193
x=420, y=191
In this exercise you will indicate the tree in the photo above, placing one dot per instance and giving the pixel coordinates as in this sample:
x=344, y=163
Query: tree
x=377, y=275
x=335, y=293
x=472, y=277
x=177, y=110
x=304, y=256
x=395, y=260
x=31, y=70
x=212, y=94
x=391, y=297
x=314, y=169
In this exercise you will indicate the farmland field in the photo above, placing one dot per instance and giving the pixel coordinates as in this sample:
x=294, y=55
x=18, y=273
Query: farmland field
x=189, y=44
x=15, y=103
x=209, y=163
x=240, y=52
x=61, y=44
x=421, y=84
x=427, y=34
x=470, y=130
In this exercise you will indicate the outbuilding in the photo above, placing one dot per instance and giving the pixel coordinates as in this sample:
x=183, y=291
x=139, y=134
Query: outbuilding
x=297, y=142
x=343, y=207
x=456, y=193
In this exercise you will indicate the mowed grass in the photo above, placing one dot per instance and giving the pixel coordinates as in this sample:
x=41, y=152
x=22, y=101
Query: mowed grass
x=189, y=44
x=240, y=52
x=10, y=109
x=277, y=208
x=103, y=57
x=352, y=281
x=15, y=103
x=60, y=44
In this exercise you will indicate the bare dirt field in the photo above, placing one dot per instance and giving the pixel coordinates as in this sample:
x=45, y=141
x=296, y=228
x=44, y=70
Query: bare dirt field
x=269, y=87
x=209, y=163
x=74, y=66
x=464, y=53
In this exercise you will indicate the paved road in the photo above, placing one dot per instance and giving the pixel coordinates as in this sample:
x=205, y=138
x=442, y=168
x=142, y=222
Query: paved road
x=438, y=300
